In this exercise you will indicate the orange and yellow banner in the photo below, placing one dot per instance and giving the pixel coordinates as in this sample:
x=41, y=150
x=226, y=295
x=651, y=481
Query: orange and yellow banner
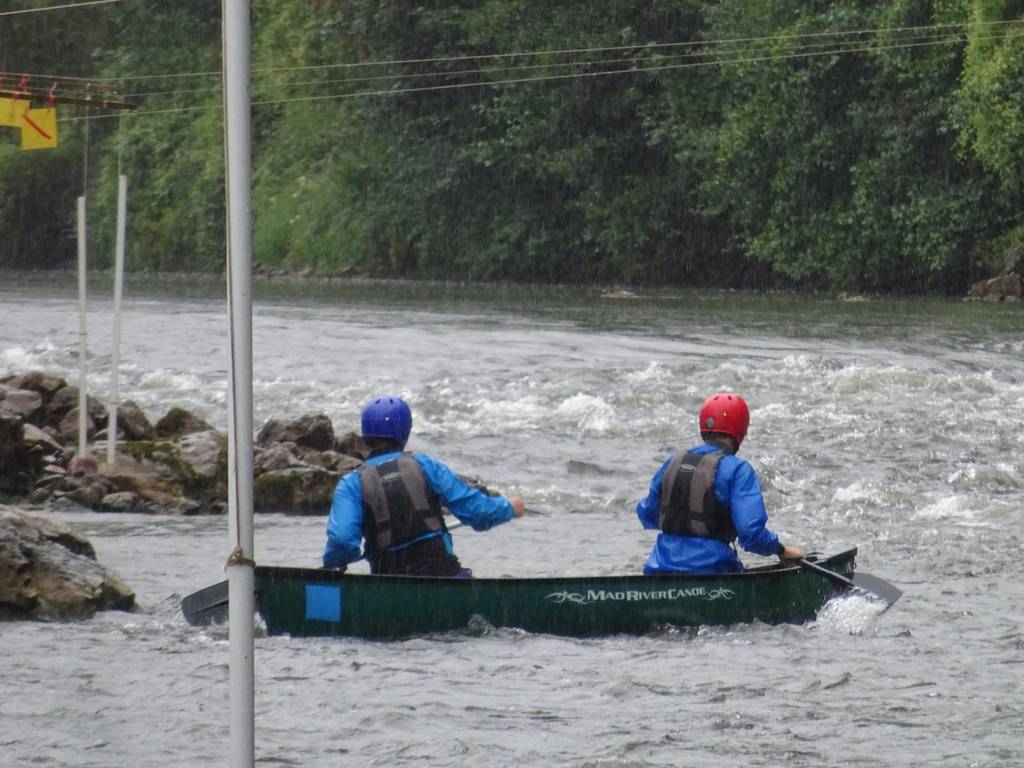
x=9, y=111
x=38, y=126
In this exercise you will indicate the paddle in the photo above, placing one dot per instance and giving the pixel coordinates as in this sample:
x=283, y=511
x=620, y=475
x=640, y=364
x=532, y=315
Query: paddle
x=210, y=604
x=207, y=606
x=861, y=582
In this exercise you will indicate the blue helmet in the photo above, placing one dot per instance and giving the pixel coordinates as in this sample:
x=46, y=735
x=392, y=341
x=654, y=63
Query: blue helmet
x=388, y=417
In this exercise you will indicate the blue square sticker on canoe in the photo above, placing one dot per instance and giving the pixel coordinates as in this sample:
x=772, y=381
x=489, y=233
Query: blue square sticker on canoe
x=323, y=602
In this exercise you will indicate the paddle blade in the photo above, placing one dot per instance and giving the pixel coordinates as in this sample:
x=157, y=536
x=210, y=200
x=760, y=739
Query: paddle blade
x=877, y=587
x=864, y=583
x=207, y=606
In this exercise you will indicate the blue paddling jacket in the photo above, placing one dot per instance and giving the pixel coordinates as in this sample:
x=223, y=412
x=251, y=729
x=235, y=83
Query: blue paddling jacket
x=735, y=486
x=470, y=505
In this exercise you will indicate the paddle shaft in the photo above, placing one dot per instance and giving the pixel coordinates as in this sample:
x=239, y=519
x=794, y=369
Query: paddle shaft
x=836, y=577
x=864, y=583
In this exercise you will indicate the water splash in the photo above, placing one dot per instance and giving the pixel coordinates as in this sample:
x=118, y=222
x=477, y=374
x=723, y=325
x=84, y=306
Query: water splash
x=850, y=614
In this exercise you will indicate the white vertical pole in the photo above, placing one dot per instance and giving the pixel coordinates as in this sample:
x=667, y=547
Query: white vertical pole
x=82, y=335
x=241, y=576
x=115, y=353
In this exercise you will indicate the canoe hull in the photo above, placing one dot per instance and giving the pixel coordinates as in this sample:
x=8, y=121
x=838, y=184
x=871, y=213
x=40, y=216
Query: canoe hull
x=309, y=602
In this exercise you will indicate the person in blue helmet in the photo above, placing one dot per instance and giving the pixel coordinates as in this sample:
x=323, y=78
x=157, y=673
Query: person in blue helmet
x=394, y=502
x=704, y=500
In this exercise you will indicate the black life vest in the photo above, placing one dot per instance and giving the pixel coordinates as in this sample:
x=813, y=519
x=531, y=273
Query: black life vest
x=688, y=503
x=399, y=507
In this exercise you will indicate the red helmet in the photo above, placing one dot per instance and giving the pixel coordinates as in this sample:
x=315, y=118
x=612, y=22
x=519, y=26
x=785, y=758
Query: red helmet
x=726, y=413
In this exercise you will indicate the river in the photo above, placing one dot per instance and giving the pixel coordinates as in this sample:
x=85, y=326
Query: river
x=896, y=426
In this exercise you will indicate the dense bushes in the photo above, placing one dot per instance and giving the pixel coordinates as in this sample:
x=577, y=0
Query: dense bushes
x=851, y=145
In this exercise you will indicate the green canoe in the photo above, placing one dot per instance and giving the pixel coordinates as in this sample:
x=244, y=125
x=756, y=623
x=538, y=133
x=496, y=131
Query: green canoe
x=307, y=602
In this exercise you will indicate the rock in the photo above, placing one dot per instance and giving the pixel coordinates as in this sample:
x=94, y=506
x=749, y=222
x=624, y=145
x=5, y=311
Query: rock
x=352, y=444
x=85, y=490
x=68, y=427
x=299, y=490
x=26, y=403
x=66, y=399
x=122, y=501
x=273, y=457
x=181, y=469
x=47, y=571
x=15, y=465
x=178, y=421
x=38, y=442
x=311, y=431
x=308, y=456
x=133, y=422
x=11, y=433
x=1007, y=287
x=46, y=384
x=39, y=496
x=188, y=507
x=183, y=476
x=204, y=464
x=339, y=462
x=83, y=465
x=88, y=495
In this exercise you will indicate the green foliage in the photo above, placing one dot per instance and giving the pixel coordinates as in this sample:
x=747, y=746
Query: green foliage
x=841, y=170
x=993, y=99
x=173, y=151
x=37, y=204
x=849, y=145
x=38, y=189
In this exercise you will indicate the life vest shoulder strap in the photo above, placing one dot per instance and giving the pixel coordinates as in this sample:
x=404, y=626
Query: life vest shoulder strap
x=688, y=504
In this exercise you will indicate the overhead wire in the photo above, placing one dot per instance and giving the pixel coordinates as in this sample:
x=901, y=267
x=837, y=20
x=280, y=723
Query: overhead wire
x=775, y=39
x=714, y=58
x=516, y=81
x=580, y=75
x=661, y=57
x=644, y=46
x=64, y=7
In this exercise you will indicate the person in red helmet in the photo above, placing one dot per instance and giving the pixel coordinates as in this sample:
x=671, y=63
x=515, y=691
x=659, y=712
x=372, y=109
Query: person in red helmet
x=704, y=500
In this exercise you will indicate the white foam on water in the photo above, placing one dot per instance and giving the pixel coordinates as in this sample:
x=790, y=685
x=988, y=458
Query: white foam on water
x=850, y=613
x=987, y=478
x=527, y=412
x=586, y=412
x=578, y=413
x=172, y=382
x=948, y=508
x=810, y=364
x=860, y=491
x=19, y=359
x=961, y=474
x=653, y=373
x=865, y=379
x=733, y=376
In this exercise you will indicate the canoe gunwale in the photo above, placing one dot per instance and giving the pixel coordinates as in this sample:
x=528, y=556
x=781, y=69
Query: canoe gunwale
x=330, y=575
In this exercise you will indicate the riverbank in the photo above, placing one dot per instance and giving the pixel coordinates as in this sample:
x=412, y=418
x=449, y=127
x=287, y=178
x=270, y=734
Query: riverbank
x=1005, y=285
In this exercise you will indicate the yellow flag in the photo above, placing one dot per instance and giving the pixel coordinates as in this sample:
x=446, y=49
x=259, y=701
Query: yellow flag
x=9, y=112
x=39, y=128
